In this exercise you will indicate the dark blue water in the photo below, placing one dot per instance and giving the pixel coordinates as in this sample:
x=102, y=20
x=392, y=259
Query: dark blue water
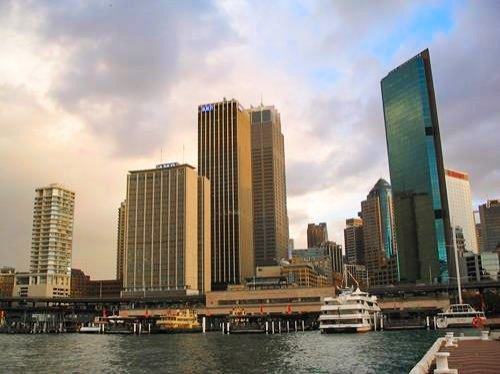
x=308, y=352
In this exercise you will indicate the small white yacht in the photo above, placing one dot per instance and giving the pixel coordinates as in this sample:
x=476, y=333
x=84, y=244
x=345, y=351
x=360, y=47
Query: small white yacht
x=460, y=315
x=351, y=311
x=91, y=329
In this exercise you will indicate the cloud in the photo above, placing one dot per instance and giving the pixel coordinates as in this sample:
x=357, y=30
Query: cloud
x=122, y=61
x=467, y=82
x=89, y=90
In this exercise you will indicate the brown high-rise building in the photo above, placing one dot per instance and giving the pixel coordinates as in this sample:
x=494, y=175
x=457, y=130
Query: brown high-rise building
x=270, y=217
x=489, y=214
x=7, y=277
x=120, y=242
x=162, y=231
x=378, y=235
x=79, y=283
x=316, y=235
x=353, y=241
x=224, y=157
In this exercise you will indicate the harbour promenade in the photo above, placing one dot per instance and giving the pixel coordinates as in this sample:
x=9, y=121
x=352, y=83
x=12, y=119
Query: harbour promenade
x=463, y=354
x=402, y=307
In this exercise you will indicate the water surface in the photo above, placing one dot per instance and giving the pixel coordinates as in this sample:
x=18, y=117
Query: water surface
x=303, y=352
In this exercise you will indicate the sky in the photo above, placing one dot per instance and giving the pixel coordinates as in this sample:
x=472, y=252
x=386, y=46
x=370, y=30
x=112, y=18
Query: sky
x=92, y=89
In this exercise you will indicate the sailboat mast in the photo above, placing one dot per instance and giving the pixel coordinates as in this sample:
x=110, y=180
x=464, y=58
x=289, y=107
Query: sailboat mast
x=457, y=267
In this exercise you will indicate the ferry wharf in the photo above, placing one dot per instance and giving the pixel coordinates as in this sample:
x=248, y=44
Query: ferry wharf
x=464, y=355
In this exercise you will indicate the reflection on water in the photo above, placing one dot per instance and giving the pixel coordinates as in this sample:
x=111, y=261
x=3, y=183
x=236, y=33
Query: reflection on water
x=375, y=352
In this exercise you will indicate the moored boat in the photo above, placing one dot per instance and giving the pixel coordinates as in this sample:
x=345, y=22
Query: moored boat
x=179, y=321
x=351, y=311
x=460, y=315
x=91, y=329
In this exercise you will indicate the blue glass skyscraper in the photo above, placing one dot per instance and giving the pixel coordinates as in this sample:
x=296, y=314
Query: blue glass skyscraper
x=417, y=172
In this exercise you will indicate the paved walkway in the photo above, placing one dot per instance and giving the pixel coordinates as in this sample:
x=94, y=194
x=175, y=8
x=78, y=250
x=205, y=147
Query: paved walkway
x=474, y=356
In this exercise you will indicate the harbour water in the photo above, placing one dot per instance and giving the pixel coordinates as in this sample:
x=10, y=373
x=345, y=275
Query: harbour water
x=304, y=352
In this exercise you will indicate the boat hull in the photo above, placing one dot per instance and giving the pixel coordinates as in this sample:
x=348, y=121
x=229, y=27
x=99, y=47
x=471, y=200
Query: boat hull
x=118, y=332
x=168, y=330
x=343, y=329
x=89, y=330
x=247, y=332
x=444, y=323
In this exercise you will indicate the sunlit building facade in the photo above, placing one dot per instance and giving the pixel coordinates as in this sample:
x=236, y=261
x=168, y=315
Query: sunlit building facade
x=52, y=242
x=460, y=204
x=162, y=242
x=224, y=157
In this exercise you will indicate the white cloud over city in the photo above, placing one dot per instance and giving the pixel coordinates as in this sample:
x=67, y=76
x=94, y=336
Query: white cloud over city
x=90, y=90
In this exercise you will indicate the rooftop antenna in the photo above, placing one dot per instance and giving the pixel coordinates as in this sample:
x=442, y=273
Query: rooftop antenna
x=183, y=153
x=261, y=102
x=161, y=155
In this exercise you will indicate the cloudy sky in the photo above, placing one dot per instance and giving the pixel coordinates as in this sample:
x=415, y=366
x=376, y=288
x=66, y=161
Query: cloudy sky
x=92, y=89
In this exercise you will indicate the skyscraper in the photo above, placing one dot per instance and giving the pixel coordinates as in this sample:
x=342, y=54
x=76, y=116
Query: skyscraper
x=460, y=204
x=316, y=234
x=353, y=241
x=204, y=232
x=490, y=226
x=120, y=241
x=52, y=242
x=224, y=157
x=270, y=217
x=417, y=173
x=378, y=235
x=162, y=231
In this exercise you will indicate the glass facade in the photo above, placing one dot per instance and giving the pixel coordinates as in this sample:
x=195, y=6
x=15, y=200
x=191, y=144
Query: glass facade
x=382, y=190
x=417, y=172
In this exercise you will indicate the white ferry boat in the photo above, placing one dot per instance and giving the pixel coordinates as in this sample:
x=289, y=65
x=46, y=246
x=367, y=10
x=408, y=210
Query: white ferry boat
x=352, y=311
x=460, y=315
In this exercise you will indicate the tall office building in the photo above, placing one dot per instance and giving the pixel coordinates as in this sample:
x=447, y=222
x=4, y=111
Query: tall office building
x=417, y=173
x=270, y=217
x=489, y=214
x=204, y=232
x=120, y=241
x=460, y=205
x=162, y=231
x=316, y=234
x=354, y=241
x=52, y=242
x=224, y=157
x=378, y=235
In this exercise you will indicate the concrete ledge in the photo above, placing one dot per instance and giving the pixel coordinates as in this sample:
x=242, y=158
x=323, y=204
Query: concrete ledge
x=423, y=366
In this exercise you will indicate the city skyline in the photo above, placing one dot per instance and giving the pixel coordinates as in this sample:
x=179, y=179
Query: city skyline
x=92, y=114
